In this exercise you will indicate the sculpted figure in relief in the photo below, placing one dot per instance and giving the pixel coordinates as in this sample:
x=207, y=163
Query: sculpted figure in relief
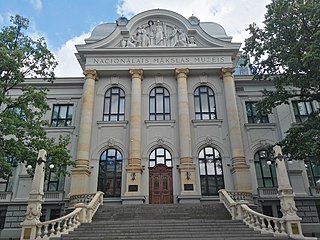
x=182, y=38
x=173, y=37
x=158, y=34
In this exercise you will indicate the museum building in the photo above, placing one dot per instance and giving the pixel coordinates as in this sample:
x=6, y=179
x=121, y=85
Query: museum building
x=165, y=114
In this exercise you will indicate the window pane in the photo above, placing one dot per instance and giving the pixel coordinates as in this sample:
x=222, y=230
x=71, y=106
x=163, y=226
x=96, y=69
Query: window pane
x=63, y=112
x=159, y=103
x=121, y=108
x=156, y=183
x=152, y=105
x=210, y=167
x=204, y=103
x=164, y=183
x=167, y=105
x=70, y=112
x=160, y=160
x=202, y=167
x=197, y=104
x=114, y=104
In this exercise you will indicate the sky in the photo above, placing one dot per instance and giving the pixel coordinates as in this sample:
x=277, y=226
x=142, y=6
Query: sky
x=64, y=23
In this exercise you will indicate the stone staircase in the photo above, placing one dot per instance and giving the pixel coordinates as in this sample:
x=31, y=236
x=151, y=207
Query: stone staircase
x=169, y=222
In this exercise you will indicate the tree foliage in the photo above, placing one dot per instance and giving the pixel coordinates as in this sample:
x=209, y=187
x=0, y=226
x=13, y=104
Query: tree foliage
x=22, y=105
x=286, y=50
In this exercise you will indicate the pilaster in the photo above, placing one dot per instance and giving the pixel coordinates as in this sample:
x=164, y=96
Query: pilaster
x=80, y=174
x=186, y=167
x=134, y=169
x=240, y=169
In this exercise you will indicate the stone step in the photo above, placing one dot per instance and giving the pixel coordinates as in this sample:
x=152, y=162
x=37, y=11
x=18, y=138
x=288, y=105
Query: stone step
x=165, y=222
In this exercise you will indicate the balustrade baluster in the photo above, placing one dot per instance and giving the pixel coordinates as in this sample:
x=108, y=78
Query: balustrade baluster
x=39, y=231
x=276, y=228
x=45, y=232
x=282, y=228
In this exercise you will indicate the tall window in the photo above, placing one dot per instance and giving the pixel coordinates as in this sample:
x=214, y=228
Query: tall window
x=266, y=173
x=302, y=110
x=159, y=104
x=114, y=105
x=204, y=103
x=211, y=171
x=62, y=115
x=160, y=156
x=252, y=114
x=110, y=173
x=55, y=181
x=313, y=171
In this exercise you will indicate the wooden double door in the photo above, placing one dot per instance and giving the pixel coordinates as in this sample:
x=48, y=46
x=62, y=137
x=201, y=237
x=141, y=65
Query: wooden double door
x=160, y=184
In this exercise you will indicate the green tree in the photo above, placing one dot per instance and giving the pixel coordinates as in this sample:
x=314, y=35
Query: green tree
x=23, y=105
x=286, y=50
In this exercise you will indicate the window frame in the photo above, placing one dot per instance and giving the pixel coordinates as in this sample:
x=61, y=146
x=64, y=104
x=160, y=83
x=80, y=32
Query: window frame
x=113, y=175
x=164, y=102
x=156, y=155
x=117, y=95
x=209, y=98
x=253, y=118
x=207, y=177
x=299, y=118
x=58, y=119
x=260, y=163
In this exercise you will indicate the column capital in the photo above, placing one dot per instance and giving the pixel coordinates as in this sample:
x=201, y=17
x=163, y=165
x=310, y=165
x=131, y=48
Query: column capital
x=227, y=71
x=91, y=74
x=136, y=73
x=182, y=72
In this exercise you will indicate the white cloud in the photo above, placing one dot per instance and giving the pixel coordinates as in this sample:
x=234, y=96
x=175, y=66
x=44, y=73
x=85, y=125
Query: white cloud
x=37, y=4
x=1, y=18
x=68, y=63
x=234, y=15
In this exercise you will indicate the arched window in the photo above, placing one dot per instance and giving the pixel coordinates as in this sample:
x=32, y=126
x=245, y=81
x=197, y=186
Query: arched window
x=110, y=173
x=160, y=156
x=159, y=104
x=204, y=103
x=266, y=173
x=114, y=105
x=211, y=171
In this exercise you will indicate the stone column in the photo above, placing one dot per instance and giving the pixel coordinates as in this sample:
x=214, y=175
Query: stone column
x=187, y=168
x=134, y=169
x=286, y=196
x=35, y=201
x=240, y=169
x=80, y=174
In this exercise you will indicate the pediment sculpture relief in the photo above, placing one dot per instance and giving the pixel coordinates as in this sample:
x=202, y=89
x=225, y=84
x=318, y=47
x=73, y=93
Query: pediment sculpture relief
x=158, y=34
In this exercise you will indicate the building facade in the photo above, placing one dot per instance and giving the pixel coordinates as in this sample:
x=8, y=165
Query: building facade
x=165, y=114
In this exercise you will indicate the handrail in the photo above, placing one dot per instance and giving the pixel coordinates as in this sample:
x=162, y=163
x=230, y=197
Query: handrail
x=63, y=225
x=239, y=210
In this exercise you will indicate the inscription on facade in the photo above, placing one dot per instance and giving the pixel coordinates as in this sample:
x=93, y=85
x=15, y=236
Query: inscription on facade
x=158, y=60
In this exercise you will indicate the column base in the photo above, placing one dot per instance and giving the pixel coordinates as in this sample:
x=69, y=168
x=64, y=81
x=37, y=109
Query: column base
x=241, y=177
x=187, y=179
x=133, y=181
x=79, y=181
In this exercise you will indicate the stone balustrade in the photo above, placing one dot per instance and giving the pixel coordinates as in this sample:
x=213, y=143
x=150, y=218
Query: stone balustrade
x=82, y=213
x=239, y=210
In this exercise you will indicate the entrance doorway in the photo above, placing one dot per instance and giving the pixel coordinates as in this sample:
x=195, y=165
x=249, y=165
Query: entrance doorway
x=160, y=184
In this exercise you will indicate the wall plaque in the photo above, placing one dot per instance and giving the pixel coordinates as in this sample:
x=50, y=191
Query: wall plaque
x=133, y=188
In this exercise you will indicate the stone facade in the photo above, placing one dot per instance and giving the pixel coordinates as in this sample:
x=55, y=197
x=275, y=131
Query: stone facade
x=200, y=121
